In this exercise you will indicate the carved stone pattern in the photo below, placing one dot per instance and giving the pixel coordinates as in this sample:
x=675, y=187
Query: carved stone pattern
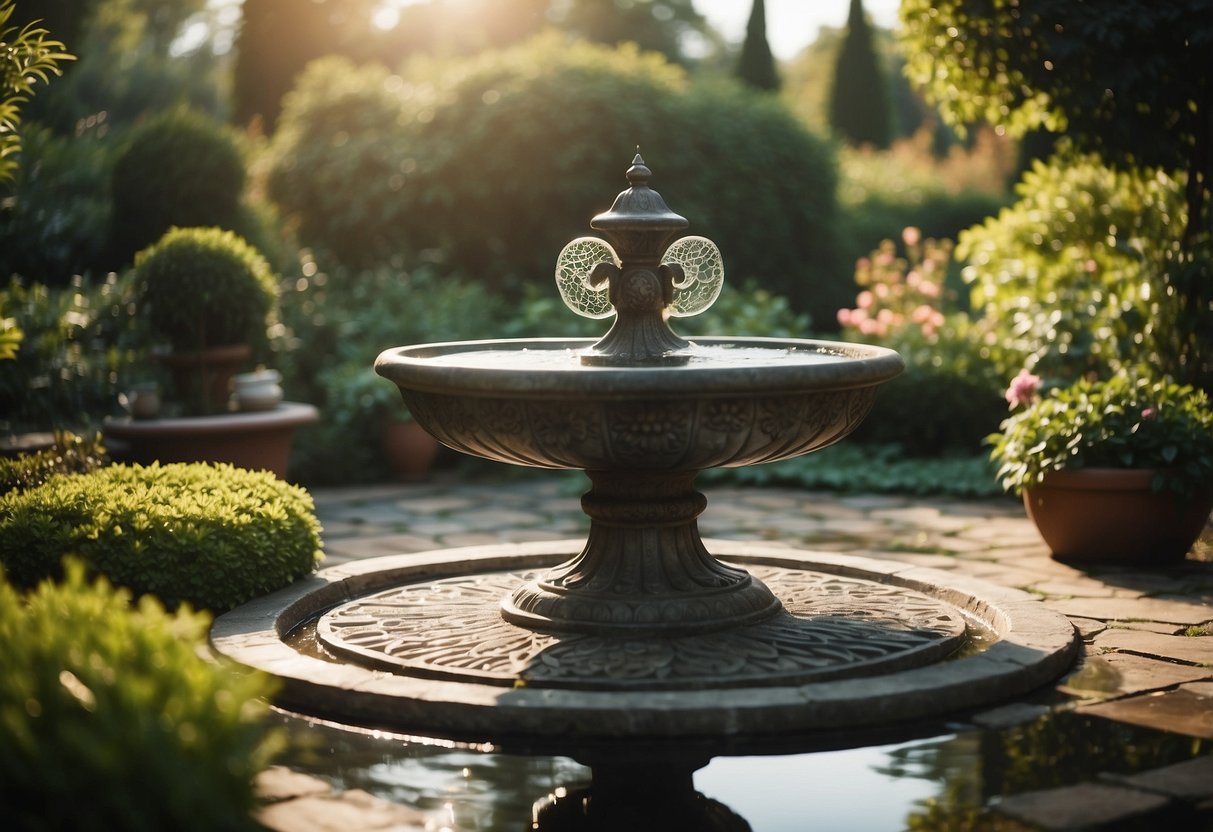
x=833, y=627
x=648, y=434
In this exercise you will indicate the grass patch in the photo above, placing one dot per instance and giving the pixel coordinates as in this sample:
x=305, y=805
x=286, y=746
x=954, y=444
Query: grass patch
x=873, y=469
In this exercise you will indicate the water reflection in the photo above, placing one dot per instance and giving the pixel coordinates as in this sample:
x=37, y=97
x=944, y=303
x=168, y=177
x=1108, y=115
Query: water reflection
x=941, y=782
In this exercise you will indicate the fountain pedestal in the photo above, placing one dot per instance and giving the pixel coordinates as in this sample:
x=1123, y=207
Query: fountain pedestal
x=644, y=569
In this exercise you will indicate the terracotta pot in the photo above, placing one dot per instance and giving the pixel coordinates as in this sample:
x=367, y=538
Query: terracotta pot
x=409, y=449
x=258, y=441
x=1111, y=515
x=203, y=379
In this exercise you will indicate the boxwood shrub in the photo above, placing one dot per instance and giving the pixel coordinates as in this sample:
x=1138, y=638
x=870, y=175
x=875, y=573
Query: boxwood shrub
x=213, y=536
x=180, y=168
x=110, y=718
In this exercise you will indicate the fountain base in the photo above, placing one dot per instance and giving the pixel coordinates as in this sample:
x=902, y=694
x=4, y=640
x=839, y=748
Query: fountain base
x=644, y=569
x=860, y=644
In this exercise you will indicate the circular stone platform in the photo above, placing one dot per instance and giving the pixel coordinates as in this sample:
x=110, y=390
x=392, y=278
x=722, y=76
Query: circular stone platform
x=417, y=643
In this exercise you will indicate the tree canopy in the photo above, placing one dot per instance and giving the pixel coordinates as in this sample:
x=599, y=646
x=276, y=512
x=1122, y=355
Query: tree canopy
x=1128, y=80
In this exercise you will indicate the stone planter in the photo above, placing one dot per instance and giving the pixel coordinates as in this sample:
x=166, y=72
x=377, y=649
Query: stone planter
x=1112, y=516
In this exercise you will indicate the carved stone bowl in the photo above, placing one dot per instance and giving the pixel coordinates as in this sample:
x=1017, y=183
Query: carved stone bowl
x=531, y=402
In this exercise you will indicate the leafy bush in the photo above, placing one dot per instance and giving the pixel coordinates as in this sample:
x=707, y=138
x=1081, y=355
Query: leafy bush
x=56, y=223
x=78, y=350
x=882, y=193
x=110, y=717
x=498, y=160
x=1124, y=422
x=203, y=287
x=1070, y=276
x=948, y=399
x=70, y=454
x=210, y=536
x=179, y=169
x=339, y=323
x=30, y=56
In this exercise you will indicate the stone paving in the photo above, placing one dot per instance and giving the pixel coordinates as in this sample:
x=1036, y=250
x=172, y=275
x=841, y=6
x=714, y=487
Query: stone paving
x=1148, y=634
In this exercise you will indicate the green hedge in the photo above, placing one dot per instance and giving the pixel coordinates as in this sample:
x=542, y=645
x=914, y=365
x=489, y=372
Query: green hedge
x=497, y=161
x=110, y=717
x=212, y=536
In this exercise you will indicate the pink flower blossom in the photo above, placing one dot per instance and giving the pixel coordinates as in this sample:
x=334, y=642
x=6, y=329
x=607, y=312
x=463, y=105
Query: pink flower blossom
x=911, y=236
x=1149, y=413
x=1023, y=389
x=844, y=317
x=864, y=299
x=922, y=314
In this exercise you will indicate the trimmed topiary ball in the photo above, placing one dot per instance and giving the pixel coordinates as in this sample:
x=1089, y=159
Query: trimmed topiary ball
x=204, y=287
x=213, y=536
x=112, y=717
x=180, y=168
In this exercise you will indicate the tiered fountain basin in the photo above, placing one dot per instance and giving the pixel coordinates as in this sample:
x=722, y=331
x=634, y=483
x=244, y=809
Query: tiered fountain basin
x=643, y=630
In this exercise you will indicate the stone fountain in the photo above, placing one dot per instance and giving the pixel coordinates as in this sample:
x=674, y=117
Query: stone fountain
x=643, y=632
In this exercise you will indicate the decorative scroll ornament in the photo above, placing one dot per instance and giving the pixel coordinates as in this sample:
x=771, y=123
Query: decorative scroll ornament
x=698, y=271
x=582, y=273
x=586, y=265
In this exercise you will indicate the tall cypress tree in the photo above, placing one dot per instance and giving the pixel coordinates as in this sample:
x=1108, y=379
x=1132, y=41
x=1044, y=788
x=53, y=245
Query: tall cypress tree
x=756, y=67
x=859, y=98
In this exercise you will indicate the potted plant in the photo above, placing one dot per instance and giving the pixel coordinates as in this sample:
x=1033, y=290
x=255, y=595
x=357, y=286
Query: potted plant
x=206, y=295
x=360, y=403
x=1118, y=470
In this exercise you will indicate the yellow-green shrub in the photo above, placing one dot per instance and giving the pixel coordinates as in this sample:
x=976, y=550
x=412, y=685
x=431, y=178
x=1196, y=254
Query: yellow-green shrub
x=213, y=536
x=111, y=719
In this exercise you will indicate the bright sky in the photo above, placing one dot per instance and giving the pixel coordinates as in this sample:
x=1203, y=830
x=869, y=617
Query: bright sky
x=791, y=24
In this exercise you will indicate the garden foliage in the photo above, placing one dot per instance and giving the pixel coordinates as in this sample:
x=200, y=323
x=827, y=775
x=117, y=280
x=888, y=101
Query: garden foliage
x=112, y=718
x=56, y=224
x=756, y=65
x=859, y=98
x=212, y=536
x=77, y=352
x=204, y=287
x=1070, y=278
x=28, y=56
x=948, y=398
x=341, y=320
x=178, y=169
x=497, y=161
x=70, y=454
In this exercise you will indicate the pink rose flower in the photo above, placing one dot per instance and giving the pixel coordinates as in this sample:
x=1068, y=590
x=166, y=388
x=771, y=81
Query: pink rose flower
x=1023, y=389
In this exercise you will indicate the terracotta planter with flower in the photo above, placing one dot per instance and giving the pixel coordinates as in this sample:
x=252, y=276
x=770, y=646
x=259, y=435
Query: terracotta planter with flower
x=1115, y=471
